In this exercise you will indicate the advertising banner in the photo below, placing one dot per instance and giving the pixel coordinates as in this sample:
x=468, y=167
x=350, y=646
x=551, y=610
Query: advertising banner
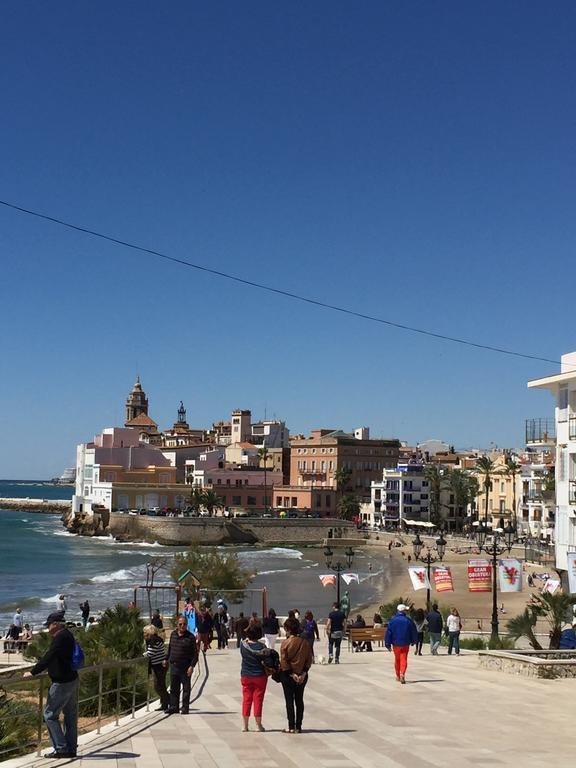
x=510, y=575
x=551, y=586
x=328, y=580
x=442, y=576
x=479, y=576
x=350, y=577
x=571, y=556
x=418, y=577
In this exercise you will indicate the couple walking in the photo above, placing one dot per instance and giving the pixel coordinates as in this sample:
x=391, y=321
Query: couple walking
x=258, y=664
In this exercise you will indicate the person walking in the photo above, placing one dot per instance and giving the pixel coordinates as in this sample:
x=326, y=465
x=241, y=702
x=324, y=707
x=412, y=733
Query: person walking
x=241, y=625
x=453, y=627
x=271, y=628
x=310, y=630
x=253, y=677
x=221, y=626
x=156, y=654
x=335, y=632
x=435, y=624
x=85, y=611
x=63, y=692
x=156, y=619
x=204, y=624
x=400, y=635
x=420, y=622
x=182, y=657
x=295, y=660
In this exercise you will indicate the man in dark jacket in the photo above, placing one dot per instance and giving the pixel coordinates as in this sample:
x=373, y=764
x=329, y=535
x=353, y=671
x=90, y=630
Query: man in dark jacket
x=401, y=633
x=435, y=624
x=63, y=693
x=182, y=656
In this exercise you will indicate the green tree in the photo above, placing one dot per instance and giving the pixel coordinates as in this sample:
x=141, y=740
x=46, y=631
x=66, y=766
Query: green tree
x=523, y=625
x=437, y=478
x=211, y=502
x=17, y=724
x=388, y=610
x=465, y=489
x=348, y=507
x=486, y=469
x=555, y=609
x=218, y=571
x=512, y=470
x=196, y=499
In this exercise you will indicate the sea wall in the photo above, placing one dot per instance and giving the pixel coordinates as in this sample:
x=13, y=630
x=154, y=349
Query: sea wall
x=48, y=506
x=215, y=531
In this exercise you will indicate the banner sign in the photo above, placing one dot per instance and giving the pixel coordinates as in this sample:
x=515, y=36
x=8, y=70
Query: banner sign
x=571, y=557
x=350, y=577
x=328, y=580
x=479, y=576
x=442, y=576
x=510, y=575
x=551, y=586
x=418, y=577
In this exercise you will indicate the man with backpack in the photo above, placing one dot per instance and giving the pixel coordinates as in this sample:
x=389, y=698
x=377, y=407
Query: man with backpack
x=58, y=661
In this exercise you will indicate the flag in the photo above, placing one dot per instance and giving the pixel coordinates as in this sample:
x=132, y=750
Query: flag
x=327, y=580
x=442, y=576
x=418, y=577
x=510, y=575
x=479, y=576
x=551, y=585
x=571, y=558
x=350, y=577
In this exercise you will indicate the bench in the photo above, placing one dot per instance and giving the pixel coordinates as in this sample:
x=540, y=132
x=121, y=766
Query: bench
x=366, y=635
x=14, y=646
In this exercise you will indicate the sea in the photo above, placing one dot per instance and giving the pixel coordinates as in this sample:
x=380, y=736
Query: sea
x=40, y=560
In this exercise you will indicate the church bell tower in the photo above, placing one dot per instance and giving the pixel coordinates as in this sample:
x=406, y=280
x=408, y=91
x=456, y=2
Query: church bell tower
x=137, y=402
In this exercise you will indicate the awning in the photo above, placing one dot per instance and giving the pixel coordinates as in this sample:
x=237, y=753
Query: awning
x=422, y=523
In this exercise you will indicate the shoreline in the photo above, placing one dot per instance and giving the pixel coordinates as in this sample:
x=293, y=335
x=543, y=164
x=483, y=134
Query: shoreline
x=43, y=506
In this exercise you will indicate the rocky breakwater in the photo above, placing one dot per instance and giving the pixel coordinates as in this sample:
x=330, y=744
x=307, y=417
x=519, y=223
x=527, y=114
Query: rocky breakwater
x=96, y=524
x=47, y=506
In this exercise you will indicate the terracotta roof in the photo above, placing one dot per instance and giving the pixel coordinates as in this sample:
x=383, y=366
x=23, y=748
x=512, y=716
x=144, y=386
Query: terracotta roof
x=142, y=420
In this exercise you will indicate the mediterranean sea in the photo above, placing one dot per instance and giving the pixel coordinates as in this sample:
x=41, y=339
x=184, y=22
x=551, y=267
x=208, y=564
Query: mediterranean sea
x=39, y=560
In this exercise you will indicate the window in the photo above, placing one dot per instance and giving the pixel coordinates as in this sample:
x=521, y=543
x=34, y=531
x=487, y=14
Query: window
x=323, y=466
x=223, y=500
x=219, y=482
x=236, y=500
x=331, y=466
x=251, y=501
x=313, y=466
x=328, y=500
x=502, y=487
x=318, y=500
x=294, y=501
x=228, y=481
x=278, y=501
x=502, y=507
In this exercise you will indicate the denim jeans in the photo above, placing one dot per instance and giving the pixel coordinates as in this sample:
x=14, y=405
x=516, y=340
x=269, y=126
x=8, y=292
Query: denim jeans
x=334, y=642
x=435, y=640
x=179, y=677
x=454, y=642
x=63, y=698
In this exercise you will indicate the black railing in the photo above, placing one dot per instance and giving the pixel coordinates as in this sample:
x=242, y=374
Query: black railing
x=540, y=430
x=572, y=428
x=572, y=492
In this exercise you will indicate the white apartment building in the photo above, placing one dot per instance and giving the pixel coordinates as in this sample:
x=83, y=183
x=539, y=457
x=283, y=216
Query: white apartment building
x=271, y=432
x=402, y=494
x=537, y=508
x=563, y=387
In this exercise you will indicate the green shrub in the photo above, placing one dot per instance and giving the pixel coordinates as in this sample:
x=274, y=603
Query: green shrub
x=473, y=643
x=17, y=725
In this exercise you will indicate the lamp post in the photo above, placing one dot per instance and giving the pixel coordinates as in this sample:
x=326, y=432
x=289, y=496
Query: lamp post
x=502, y=541
x=338, y=567
x=440, y=547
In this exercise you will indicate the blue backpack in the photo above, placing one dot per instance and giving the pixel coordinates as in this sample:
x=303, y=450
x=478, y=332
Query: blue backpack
x=77, y=657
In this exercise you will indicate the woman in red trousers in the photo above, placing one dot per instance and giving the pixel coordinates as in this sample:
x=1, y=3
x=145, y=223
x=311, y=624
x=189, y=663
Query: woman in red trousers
x=252, y=676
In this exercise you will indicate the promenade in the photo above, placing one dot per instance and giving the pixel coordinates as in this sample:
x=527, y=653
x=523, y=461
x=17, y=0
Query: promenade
x=450, y=712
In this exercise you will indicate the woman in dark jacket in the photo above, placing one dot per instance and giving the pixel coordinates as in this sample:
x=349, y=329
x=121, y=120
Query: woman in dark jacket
x=310, y=630
x=156, y=655
x=270, y=628
x=295, y=660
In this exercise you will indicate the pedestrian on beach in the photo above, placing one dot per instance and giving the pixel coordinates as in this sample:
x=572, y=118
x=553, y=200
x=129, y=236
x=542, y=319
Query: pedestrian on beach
x=85, y=611
x=63, y=692
x=309, y=631
x=435, y=624
x=241, y=625
x=253, y=677
x=18, y=619
x=271, y=628
x=295, y=661
x=335, y=632
x=204, y=624
x=221, y=626
x=420, y=622
x=400, y=635
x=453, y=627
x=156, y=654
x=182, y=657
x=156, y=619
x=62, y=605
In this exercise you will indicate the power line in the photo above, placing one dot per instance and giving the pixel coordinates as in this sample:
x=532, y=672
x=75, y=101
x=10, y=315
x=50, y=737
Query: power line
x=278, y=291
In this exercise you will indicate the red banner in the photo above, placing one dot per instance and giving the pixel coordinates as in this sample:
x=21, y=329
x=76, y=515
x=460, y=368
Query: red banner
x=479, y=576
x=443, y=579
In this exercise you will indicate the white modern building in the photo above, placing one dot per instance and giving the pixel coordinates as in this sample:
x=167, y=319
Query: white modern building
x=537, y=509
x=563, y=387
x=402, y=494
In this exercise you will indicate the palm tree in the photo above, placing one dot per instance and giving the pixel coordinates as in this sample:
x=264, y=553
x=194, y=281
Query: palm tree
x=512, y=470
x=196, y=499
x=211, y=502
x=437, y=478
x=486, y=468
x=555, y=609
x=263, y=456
x=342, y=478
x=523, y=626
x=465, y=488
x=349, y=506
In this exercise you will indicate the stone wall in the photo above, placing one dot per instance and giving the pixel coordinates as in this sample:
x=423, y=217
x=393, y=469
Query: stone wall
x=546, y=664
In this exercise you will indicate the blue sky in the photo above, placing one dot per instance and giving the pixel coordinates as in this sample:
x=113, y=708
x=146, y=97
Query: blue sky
x=412, y=160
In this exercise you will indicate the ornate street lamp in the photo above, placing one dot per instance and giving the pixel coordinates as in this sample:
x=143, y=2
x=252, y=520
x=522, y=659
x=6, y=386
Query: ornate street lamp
x=338, y=567
x=440, y=547
x=502, y=541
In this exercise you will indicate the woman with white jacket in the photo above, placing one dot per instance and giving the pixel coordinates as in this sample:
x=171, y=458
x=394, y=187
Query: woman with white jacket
x=453, y=627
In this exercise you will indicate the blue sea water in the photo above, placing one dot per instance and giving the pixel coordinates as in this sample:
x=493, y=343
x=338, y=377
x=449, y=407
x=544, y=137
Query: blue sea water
x=40, y=560
x=34, y=489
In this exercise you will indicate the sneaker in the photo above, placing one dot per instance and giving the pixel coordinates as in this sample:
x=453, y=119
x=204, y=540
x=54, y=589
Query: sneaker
x=402, y=679
x=337, y=661
x=329, y=659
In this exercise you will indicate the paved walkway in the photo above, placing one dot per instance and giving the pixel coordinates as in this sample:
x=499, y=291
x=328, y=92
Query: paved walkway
x=451, y=712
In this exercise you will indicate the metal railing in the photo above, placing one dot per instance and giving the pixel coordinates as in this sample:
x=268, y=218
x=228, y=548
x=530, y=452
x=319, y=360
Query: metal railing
x=107, y=692
x=540, y=430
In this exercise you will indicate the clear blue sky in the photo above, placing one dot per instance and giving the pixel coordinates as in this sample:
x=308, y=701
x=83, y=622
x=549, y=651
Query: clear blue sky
x=413, y=160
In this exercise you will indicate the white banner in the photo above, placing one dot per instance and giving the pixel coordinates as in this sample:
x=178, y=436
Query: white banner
x=551, y=586
x=350, y=577
x=418, y=577
x=571, y=557
x=510, y=575
x=328, y=579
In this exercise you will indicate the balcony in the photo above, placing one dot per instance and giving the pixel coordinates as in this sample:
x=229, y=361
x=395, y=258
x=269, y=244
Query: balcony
x=572, y=428
x=572, y=492
x=312, y=472
x=540, y=431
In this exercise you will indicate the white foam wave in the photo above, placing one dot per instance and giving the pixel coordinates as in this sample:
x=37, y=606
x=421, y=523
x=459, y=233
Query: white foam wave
x=53, y=599
x=63, y=533
x=266, y=573
x=292, y=554
x=122, y=575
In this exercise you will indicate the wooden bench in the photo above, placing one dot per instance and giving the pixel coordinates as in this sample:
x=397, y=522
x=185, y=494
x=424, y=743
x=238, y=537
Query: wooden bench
x=14, y=646
x=366, y=635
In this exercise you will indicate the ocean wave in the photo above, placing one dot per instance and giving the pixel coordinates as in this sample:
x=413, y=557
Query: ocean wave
x=291, y=554
x=25, y=602
x=266, y=573
x=120, y=575
x=53, y=599
x=63, y=533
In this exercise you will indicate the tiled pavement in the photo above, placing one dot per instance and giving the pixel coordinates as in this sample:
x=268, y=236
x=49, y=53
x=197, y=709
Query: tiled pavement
x=450, y=713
